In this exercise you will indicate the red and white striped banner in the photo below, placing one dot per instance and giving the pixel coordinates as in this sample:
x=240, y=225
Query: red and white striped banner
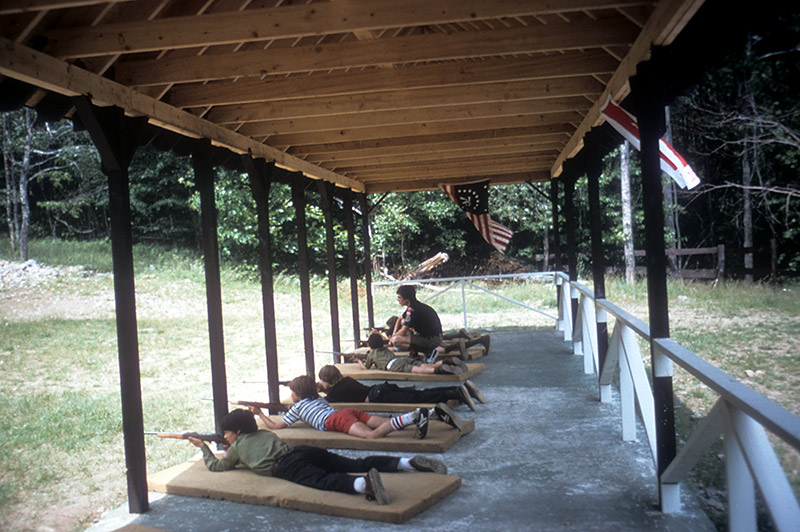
x=473, y=198
x=672, y=163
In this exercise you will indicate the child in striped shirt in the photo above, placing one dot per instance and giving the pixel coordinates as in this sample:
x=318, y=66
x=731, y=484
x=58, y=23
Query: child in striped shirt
x=315, y=411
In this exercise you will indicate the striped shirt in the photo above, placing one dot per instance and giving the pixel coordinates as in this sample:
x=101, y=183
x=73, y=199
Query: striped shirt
x=314, y=412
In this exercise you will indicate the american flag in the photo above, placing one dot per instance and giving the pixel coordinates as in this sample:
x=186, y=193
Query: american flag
x=473, y=198
x=672, y=163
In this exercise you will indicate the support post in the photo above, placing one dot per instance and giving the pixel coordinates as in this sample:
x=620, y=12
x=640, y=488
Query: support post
x=594, y=169
x=299, y=202
x=116, y=139
x=647, y=88
x=556, y=236
x=365, y=238
x=572, y=262
x=351, y=260
x=204, y=178
x=261, y=173
x=326, y=195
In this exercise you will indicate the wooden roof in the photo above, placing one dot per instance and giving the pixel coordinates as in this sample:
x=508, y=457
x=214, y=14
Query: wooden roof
x=373, y=95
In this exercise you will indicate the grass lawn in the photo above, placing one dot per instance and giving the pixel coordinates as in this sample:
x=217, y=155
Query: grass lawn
x=60, y=423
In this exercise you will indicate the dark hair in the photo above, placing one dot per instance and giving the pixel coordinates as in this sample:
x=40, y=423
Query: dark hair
x=239, y=420
x=408, y=291
x=391, y=322
x=330, y=374
x=304, y=387
x=375, y=341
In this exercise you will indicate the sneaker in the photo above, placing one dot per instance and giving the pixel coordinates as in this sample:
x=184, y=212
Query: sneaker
x=432, y=357
x=444, y=413
x=449, y=369
x=428, y=465
x=375, y=490
x=474, y=391
x=465, y=398
x=462, y=350
x=422, y=424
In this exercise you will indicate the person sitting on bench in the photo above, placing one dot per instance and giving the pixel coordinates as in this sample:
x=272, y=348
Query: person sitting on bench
x=265, y=453
x=315, y=411
x=419, y=329
x=339, y=389
x=384, y=359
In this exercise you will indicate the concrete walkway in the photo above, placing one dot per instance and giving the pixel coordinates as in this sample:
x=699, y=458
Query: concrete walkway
x=545, y=455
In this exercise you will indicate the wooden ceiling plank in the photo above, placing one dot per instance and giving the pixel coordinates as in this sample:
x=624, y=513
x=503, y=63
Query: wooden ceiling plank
x=550, y=132
x=455, y=126
x=570, y=64
x=466, y=170
x=40, y=70
x=401, y=116
x=359, y=164
x=456, y=162
x=295, y=21
x=407, y=185
x=339, y=106
x=13, y=7
x=435, y=47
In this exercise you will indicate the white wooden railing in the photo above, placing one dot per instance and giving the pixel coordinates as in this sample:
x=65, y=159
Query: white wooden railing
x=740, y=415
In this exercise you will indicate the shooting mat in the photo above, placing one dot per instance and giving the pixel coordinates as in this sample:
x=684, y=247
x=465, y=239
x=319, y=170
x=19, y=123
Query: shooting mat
x=441, y=437
x=355, y=371
x=409, y=493
x=473, y=352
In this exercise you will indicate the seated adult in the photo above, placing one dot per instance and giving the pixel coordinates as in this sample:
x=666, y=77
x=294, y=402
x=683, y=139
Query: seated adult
x=385, y=359
x=419, y=329
x=264, y=453
x=339, y=389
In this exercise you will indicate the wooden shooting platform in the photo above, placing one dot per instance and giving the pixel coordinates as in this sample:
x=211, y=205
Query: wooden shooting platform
x=474, y=352
x=354, y=371
x=439, y=439
x=395, y=408
x=410, y=493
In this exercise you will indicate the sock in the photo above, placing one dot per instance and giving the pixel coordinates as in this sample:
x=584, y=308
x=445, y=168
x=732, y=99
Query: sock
x=401, y=422
x=405, y=465
x=360, y=485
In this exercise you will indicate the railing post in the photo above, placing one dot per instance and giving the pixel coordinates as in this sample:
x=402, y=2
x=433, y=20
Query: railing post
x=741, y=494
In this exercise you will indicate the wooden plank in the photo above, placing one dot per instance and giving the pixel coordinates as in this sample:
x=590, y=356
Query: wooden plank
x=294, y=21
x=411, y=158
x=12, y=7
x=28, y=65
x=379, y=186
x=418, y=115
x=356, y=54
x=531, y=91
x=571, y=63
x=456, y=163
x=428, y=174
x=406, y=130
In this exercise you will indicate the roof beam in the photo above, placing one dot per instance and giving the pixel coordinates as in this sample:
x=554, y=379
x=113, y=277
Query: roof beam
x=296, y=21
x=35, y=68
x=573, y=63
x=609, y=31
x=462, y=161
x=410, y=99
x=461, y=170
x=12, y=7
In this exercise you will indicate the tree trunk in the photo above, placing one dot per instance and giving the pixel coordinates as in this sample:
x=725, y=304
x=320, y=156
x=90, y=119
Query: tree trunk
x=627, y=212
x=747, y=214
x=24, y=201
x=546, y=250
x=11, y=189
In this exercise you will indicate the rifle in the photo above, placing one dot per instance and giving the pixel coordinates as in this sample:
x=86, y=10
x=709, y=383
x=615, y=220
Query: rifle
x=350, y=356
x=269, y=406
x=203, y=436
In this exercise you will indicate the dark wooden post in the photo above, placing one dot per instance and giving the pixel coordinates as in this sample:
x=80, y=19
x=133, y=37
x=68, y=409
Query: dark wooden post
x=594, y=168
x=204, y=177
x=351, y=260
x=116, y=139
x=326, y=195
x=299, y=201
x=556, y=239
x=647, y=86
x=261, y=173
x=363, y=204
x=569, y=216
